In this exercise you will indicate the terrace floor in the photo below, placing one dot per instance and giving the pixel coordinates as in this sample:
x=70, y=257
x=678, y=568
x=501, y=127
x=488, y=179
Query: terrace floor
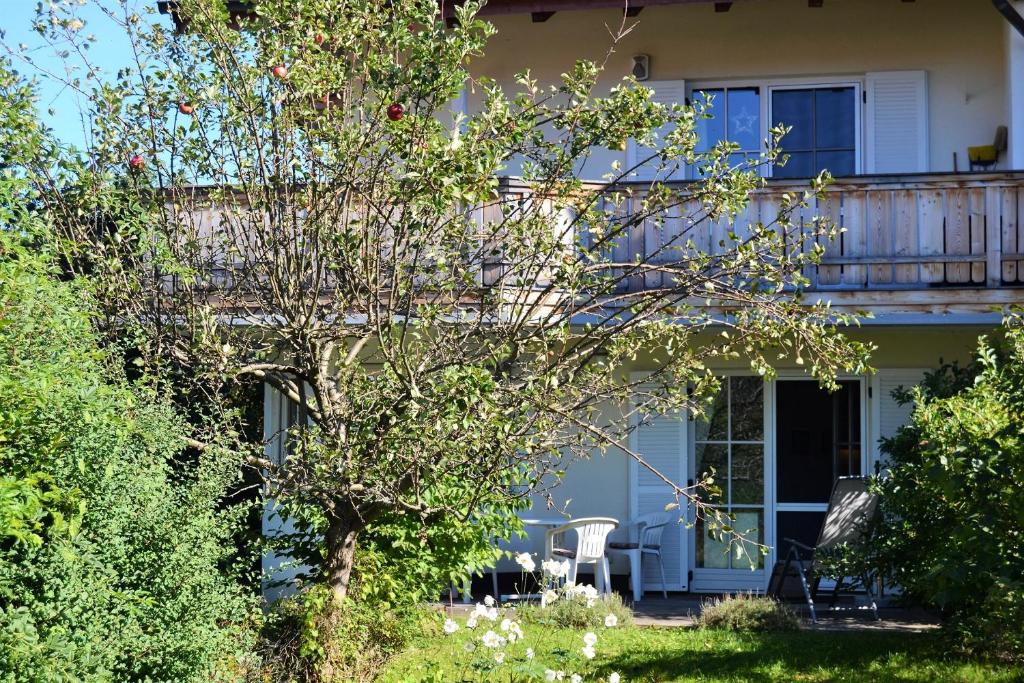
x=681, y=610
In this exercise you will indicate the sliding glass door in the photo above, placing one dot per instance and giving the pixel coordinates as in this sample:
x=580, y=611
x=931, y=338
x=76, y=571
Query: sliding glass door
x=818, y=437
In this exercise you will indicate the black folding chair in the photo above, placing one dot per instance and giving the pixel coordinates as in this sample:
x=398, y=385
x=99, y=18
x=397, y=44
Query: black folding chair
x=851, y=509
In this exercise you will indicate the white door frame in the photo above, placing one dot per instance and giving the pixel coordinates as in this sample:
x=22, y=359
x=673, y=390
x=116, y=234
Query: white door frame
x=865, y=454
x=719, y=580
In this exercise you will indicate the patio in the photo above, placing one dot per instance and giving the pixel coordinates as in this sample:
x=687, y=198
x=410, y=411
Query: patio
x=682, y=609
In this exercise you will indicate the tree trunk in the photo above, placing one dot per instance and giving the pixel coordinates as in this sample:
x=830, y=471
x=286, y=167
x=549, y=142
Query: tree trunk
x=341, y=553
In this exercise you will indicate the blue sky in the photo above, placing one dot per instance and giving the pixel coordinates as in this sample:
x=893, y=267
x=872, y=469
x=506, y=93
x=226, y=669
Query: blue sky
x=110, y=51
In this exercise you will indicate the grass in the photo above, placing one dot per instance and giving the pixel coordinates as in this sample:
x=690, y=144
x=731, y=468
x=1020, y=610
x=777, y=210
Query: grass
x=678, y=654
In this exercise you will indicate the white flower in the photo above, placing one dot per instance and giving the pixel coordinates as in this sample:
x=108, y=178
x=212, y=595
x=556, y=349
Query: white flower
x=549, y=597
x=469, y=646
x=588, y=652
x=515, y=629
x=492, y=639
x=555, y=568
x=590, y=638
x=489, y=601
x=529, y=653
x=613, y=678
x=450, y=626
x=499, y=657
x=552, y=675
x=506, y=624
x=611, y=621
x=526, y=562
x=576, y=678
x=471, y=622
x=489, y=613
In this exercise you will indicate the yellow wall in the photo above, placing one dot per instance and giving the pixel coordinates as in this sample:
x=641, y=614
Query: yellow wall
x=960, y=44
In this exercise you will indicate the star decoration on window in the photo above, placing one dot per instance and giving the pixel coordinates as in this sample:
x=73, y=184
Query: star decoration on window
x=743, y=122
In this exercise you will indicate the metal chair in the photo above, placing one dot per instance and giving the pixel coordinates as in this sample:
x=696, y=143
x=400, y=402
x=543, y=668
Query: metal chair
x=648, y=542
x=851, y=508
x=591, y=534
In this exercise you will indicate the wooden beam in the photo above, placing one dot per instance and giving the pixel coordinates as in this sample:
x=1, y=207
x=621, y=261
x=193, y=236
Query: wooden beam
x=494, y=7
x=722, y=6
x=540, y=17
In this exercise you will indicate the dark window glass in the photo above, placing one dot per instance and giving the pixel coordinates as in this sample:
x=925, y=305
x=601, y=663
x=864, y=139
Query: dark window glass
x=818, y=439
x=795, y=108
x=714, y=457
x=747, y=408
x=747, y=474
x=822, y=134
x=798, y=165
x=716, y=426
x=838, y=163
x=834, y=118
x=800, y=526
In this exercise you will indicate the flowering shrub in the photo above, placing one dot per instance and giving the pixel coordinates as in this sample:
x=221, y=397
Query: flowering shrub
x=494, y=639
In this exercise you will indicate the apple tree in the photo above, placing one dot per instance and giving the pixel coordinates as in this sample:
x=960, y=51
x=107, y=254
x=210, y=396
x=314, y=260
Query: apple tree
x=285, y=197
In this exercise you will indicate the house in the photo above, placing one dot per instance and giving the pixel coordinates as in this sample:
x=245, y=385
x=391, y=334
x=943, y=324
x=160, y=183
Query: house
x=888, y=95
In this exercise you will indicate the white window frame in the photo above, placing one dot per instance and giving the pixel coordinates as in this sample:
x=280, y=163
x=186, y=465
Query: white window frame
x=717, y=580
x=765, y=88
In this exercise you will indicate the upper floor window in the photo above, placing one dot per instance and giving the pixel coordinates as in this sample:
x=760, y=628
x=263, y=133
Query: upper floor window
x=824, y=121
x=734, y=115
x=823, y=130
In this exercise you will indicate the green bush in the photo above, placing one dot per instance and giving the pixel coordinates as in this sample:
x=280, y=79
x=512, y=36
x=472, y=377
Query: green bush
x=116, y=551
x=745, y=612
x=952, y=531
x=576, y=612
x=306, y=641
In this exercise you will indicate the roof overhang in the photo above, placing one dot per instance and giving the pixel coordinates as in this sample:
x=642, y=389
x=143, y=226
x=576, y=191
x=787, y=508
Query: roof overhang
x=540, y=10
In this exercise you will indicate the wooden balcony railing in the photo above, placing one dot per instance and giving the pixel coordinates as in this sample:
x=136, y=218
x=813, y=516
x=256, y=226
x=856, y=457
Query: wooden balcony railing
x=898, y=232
x=951, y=242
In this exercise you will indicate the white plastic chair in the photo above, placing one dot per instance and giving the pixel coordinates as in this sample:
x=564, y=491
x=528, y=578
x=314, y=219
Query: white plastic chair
x=647, y=542
x=591, y=535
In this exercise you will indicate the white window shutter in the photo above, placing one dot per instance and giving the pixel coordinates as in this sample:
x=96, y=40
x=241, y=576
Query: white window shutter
x=662, y=442
x=896, y=127
x=665, y=92
x=889, y=415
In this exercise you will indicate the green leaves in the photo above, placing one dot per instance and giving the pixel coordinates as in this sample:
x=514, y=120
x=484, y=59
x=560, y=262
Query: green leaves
x=952, y=535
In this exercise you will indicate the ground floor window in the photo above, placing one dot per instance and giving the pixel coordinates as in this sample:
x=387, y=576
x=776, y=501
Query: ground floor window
x=730, y=443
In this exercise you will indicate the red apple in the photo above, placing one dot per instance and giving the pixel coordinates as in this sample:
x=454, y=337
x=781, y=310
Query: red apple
x=318, y=39
x=280, y=71
x=396, y=111
x=186, y=108
x=136, y=163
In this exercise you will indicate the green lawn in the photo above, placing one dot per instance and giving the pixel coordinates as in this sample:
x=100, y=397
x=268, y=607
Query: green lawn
x=676, y=654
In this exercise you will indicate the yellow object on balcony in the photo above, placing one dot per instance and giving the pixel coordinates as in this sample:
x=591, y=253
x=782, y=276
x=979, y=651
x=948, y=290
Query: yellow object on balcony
x=983, y=154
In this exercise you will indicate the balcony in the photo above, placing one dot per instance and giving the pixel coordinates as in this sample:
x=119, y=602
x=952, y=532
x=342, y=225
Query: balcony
x=936, y=242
